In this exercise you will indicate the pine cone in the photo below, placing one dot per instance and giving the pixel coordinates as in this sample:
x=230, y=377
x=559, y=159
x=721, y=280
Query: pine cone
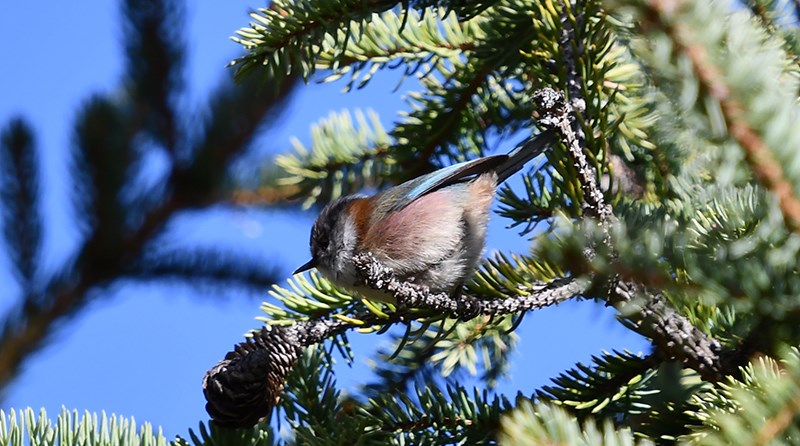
x=244, y=387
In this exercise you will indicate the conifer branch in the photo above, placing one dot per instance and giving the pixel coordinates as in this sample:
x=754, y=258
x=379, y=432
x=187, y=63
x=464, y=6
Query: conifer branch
x=445, y=124
x=555, y=112
x=201, y=267
x=674, y=337
x=289, y=30
x=109, y=251
x=550, y=424
x=776, y=425
x=571, y=46
x=447, y=347
x=267, y=195
x=585, y=55
x=155, y=56
x=763, y=13
x=757, y=153
x=608, y=387
x=465, y=307
x=416, y=367
x=30, y=426
x=346, y=153
x=417, y=39
x=672, y=333
x=19, y=192
x=229, y=386
x=759, y=407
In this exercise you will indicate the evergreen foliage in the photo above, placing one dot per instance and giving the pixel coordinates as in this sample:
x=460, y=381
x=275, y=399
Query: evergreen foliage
x=25, y=427
x=120, y=215
x=685, y=125
x=672, y=194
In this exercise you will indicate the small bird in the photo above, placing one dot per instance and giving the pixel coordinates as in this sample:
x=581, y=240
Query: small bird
x=429, y=230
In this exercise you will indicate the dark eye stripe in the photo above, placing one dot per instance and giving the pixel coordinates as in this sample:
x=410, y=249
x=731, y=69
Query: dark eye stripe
x=326, y=222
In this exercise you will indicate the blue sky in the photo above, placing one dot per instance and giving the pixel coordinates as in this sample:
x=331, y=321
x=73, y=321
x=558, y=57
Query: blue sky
x=140, y=349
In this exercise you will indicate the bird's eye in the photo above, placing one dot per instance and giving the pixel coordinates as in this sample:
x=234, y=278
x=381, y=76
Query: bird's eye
x=319, y=239
x=323, y=242
x=328, y=223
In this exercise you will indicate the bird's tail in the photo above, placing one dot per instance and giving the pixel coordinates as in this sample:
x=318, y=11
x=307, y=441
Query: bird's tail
x=528, y=150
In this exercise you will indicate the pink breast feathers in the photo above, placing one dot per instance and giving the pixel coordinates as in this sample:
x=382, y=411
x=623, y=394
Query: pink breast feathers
x=420, y=231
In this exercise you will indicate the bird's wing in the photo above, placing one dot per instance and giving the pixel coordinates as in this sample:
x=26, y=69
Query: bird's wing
x=418, y=187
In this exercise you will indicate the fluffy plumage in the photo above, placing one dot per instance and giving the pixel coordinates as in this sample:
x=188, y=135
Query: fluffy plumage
x=429, y=230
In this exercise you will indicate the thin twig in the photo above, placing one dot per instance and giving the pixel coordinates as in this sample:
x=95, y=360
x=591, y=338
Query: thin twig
x=409, y=295
x=674, y=336
x=244, y=387
x=564, y=119
x=555, y=112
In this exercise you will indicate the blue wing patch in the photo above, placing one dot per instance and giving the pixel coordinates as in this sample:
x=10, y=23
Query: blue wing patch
x=449, y=175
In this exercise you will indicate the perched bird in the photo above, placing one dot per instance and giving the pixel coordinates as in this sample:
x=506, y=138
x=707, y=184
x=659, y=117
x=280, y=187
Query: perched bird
x=429, y=230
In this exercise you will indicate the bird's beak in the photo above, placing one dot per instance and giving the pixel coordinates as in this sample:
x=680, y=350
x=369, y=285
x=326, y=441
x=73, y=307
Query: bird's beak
x=306, y=266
